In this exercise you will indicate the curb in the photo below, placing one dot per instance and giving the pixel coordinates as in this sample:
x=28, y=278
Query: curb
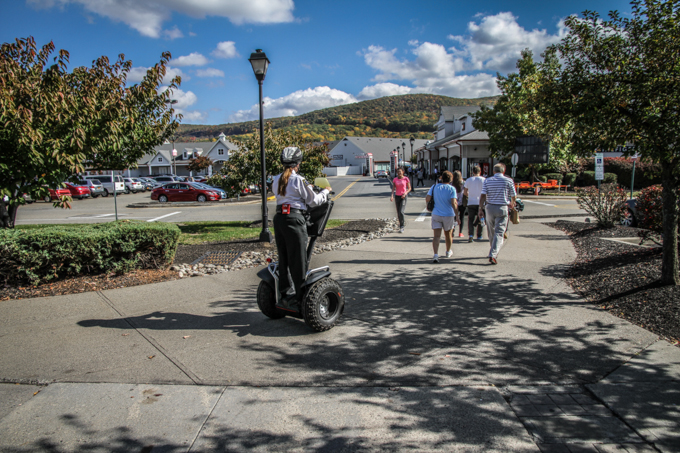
x=190, y=204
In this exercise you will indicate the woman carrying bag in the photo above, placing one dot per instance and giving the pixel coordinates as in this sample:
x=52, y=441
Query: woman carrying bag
x=444, y=213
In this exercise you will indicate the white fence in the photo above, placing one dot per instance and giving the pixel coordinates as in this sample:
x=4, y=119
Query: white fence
x=342, y=171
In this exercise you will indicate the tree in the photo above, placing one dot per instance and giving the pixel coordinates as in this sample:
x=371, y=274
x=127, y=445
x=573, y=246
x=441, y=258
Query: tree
x=199, y=163
x=243, y=167
x=617, y=83
x=515, y=114
x=54, y=124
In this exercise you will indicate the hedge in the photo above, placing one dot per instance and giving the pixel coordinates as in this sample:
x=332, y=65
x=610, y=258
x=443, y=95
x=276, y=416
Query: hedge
x=569, y=179
x=646, y=173
x=42, y=254
x=556, y=176
x=587, y=178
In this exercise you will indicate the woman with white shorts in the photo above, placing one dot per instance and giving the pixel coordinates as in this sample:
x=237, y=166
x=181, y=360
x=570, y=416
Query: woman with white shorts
x=444, y=213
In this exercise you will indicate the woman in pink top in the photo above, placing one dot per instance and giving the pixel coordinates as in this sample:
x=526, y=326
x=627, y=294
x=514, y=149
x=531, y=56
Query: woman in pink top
x=401, y=186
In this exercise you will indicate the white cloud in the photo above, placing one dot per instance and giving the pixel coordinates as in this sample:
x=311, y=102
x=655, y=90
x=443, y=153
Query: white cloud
x=184, y=100
x=173, y=34
x=137, y=73
x=193, y=59
x=383, y=89
x=495, y=43
x=209, y=72
x=296, y=103
x=225, y=49
x=147, y=16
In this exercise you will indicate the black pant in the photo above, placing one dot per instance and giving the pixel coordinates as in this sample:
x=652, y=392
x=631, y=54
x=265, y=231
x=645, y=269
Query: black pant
x=473, y=219
x=290, y=231
x=420, y=181
x=401, y=206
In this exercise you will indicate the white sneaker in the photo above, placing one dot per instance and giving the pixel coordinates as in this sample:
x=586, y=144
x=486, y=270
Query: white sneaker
x=449, y=254
x=435, y=259
x=401, y=230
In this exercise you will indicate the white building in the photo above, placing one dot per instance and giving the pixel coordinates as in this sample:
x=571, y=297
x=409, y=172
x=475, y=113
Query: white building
x=457, y=145
x=353, y=152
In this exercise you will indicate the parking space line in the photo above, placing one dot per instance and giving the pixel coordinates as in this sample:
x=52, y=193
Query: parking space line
x=421, y=217
x=538, y=202
x=164, y=216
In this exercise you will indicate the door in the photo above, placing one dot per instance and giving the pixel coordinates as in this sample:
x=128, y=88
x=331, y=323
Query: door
x=185, y=193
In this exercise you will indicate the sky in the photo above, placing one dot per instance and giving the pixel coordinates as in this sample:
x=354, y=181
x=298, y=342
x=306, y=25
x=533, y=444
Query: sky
x=323, y=53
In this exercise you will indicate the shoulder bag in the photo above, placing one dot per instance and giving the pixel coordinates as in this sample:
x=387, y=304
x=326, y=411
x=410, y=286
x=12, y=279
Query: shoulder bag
x=430, y=204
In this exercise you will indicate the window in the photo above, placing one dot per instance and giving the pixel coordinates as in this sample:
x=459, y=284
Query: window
x=220, y=152
x=463, y=126
x=160, y=159
x=184, y=155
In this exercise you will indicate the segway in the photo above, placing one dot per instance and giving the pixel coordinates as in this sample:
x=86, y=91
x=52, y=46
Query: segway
x=323, y=299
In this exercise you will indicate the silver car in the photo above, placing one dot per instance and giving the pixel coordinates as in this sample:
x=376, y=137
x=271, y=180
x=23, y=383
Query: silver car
x=132, y=185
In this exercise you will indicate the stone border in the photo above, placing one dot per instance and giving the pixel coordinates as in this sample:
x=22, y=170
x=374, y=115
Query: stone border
x=254, y=259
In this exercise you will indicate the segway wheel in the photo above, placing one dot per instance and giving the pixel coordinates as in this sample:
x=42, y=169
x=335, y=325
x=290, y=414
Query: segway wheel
x=266, y=301
x=323, y=304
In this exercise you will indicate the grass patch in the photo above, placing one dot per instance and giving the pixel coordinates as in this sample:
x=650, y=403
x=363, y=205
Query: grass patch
x=210, y=231
x=200, y=232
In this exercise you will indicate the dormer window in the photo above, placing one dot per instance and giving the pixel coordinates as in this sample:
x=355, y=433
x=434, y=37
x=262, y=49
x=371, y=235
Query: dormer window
x=220, y=152
x=160, y=159
x=184, y=155
x=463, y=126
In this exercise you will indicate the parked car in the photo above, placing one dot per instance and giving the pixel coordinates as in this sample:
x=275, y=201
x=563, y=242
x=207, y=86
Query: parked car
x=94, y=185
x=132, y=185
x=381, y=174
x=56, y=194
x=78, y=191
x=107, y=182
x=148, y=183
x=630, y=215
x=182, y=191
x=222, y=192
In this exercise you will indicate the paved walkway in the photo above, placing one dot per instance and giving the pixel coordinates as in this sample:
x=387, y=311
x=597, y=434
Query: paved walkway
x=459, y=356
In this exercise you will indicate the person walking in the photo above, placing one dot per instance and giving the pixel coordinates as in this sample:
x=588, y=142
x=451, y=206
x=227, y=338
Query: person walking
x=473, y=190
x=293, y=197
x=498, y=196
x=401, y=186
x=421, y=173
x=457, y=183
x=444, y=213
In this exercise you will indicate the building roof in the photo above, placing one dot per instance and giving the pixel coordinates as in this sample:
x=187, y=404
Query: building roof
x=474, y=136
x=200, y=148
x=452, y=112
x=381, y=147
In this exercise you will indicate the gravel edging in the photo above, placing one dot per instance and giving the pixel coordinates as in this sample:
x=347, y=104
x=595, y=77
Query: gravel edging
x=252, y=258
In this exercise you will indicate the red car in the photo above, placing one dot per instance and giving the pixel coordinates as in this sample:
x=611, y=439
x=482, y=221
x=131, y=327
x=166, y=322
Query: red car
x=77, y=191
x=56, y=194
x=183, y=191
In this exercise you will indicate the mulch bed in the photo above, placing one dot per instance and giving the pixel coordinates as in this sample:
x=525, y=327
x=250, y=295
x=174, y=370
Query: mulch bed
x=623, y=279
x=185, y=254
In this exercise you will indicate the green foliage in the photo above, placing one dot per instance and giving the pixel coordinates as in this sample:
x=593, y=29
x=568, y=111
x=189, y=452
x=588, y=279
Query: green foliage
x=646, y=173
x=649, y=209
x=244, y=165
x=607, y=205
x=569, y=179
x=615, y=82
x=588, y=179
x=389, y=117
x=39, y=255
x=199, y=164
x=55, y=123
x=556, y=176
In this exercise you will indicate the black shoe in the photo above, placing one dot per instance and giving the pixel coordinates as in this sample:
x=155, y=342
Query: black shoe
x=290, y=302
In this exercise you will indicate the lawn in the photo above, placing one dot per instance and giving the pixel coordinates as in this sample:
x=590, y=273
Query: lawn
x=200, y=232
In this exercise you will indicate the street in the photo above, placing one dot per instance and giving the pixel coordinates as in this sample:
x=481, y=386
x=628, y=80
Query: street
x=357, y=197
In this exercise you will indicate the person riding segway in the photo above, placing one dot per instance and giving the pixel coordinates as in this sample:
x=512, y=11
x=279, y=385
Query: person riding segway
x=287, y=287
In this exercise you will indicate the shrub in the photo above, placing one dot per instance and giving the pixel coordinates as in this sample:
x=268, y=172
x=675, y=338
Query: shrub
x=607, y=205
x=569, y=179
x=646, y=172
x=38, y=255
x=610, y=178
x=588, y=179
x=541, y=178
x=649, y=208
x=557, y=176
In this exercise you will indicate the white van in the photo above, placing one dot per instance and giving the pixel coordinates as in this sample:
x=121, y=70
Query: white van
x=107, y=183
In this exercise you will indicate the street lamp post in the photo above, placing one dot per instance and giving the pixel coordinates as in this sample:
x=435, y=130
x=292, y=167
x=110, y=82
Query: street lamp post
x=412, y=141
x=260, y=63
x=172, y=102
x=399, y=160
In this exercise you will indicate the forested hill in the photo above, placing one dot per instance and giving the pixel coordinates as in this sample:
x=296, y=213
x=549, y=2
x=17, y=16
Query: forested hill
x=391, y=116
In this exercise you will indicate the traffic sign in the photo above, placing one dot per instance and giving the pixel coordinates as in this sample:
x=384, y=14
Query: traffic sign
x=514, y=159
x=599, y=166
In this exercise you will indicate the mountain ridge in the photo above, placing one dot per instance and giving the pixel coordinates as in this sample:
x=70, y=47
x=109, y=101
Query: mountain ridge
x=400, y=116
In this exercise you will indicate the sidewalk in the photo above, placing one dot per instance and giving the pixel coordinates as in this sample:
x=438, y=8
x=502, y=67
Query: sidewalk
x=459, y=356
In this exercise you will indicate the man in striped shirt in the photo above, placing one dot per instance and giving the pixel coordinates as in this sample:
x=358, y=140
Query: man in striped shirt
x=498, y=196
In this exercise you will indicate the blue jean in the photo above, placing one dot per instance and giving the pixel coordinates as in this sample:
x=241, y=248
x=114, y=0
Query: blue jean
x=496, y=224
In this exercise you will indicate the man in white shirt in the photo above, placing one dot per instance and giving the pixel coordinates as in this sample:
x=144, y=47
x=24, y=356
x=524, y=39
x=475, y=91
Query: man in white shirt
x=473, y=190
x=498, y=196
